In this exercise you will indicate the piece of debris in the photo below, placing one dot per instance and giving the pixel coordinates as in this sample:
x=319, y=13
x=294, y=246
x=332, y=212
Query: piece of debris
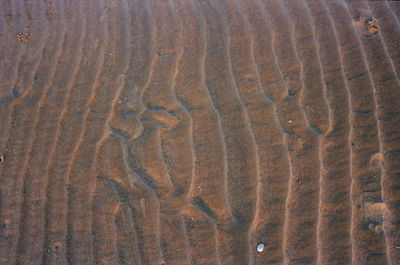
x=371, y=25
x=366, y=25
x=299, y=180
x=375, y=211
x=23, y=37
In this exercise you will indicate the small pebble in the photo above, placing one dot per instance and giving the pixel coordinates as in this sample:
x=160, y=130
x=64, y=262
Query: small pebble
x=290, y=121
x=260, y=247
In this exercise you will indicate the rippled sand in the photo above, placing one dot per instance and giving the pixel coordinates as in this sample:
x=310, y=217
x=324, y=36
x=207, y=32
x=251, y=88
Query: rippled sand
x=199, y=132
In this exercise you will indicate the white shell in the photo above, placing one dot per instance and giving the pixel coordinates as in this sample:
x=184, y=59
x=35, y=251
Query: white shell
x=260, y=247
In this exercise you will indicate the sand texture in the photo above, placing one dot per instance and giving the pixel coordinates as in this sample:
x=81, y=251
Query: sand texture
x=179, y=132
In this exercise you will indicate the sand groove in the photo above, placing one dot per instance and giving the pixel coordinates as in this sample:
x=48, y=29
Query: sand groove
x=189, y=132
x=389, y=33
x=334, y=219
x=78, y=248
x=22, y=124
x=385, y=85
x=32, y=210
x=53, y=249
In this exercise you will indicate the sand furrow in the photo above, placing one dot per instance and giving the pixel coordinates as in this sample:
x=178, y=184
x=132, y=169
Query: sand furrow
x=216, y=166
x=105, y=205
x=302, y=209
x=149, y=231
x=124, y=122
x=389, y=29
x=108, y=83
x=111, y=170
x=241, y=76
x=173, y=240
x=32, y=55
x=78, y=247
x=15, y=20
x=179, y=84
x=10, y=55
x=32, y=220
x=274, y=173
x=386, y=86
x=5, y=8
x=29, y=93
x=151, y=166
x=364, y=140
x=173, y=121
x=179, y=164
x=8, y=80
x=100, y=240
x=66, y=143
x=395, y=7
x=314, y=90
x=272, y=214
x=3, y=24
x=312, y=97
x=9, y=75
x=115, y=88
x=166, y=123
x=127, y=241
x=240, y=153
x=335, y=208
x=136, y=196
x=349, y=116
x=201, y=235
x=139, y=77
x=265, y=226
x=244, y=215
x=271, y=76
x=53, y=249
x=196, y=102
x=125, y=126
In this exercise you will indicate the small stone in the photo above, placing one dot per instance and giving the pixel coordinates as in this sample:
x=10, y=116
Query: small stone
x=260, y=247
x=290, y=121
x=299, y=180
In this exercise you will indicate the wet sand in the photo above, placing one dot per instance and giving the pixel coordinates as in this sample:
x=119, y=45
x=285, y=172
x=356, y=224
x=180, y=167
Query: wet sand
x=189, y=131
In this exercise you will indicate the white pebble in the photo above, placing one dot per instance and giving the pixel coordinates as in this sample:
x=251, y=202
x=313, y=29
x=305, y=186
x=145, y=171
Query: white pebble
x=260, y=247
x=290, y=121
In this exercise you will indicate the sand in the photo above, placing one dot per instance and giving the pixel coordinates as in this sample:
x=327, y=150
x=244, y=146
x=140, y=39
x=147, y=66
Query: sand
x=199, y=132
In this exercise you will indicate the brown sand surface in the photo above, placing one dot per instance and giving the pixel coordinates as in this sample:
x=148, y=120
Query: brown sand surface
x=189, y=131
